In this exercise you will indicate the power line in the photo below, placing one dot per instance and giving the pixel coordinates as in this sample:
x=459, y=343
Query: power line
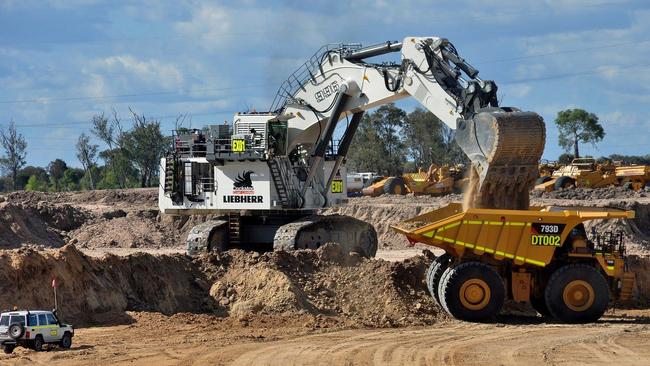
x=50, y=99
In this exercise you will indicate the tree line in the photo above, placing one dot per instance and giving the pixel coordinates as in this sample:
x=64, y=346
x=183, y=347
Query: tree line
x=390, y=141
x=131, y=159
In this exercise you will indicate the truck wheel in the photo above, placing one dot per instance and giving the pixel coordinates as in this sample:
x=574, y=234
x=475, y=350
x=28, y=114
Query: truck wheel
x=434, y=273
x=472, y=291
x=539, y=304
x=38, y=343
x=8, y=349
x=564, y=182
x=16, y=330
x=541, y=180
x=66, y=341
x=395, y=185
x=577, y=293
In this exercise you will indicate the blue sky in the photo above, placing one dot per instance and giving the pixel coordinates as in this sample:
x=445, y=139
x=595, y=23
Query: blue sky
x=61, y=62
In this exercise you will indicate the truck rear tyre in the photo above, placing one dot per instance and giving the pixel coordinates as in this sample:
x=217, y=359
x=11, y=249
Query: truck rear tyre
x=577, y=293
x=434, y=273
x=16, y=330
x=395, y=185
x=564, y=182
x=472, y=291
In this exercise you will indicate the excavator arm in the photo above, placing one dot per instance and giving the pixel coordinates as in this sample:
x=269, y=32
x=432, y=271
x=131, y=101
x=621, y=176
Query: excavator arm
x=503, y=144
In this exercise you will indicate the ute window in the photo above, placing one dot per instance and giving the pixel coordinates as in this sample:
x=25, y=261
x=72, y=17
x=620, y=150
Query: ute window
x=31, y=320
x=4, y=320
x=20, y=319
x=42, y=320
x=51, y=319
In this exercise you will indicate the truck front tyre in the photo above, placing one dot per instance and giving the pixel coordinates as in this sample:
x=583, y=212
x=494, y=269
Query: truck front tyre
x=66, y=341
x=564, y=182
x=472, y=291
x=577, y=293
x=434, y=273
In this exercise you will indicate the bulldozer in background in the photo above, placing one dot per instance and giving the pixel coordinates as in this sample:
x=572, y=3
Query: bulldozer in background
x=436, y=181
x=582, y=172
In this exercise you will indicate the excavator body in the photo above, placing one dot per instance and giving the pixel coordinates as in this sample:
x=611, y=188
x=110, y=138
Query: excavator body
x=264, y=177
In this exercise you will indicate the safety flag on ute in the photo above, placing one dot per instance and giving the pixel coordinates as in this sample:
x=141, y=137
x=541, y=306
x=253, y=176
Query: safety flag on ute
x=53, y=282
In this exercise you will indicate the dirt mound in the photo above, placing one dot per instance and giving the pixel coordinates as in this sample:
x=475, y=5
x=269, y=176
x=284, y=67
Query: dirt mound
x=41, y=224
x=325, y=282
x=95, y=290
x=610, y=192
x=122, y=197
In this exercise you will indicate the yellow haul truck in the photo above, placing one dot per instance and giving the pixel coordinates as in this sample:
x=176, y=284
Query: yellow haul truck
x=542, y=256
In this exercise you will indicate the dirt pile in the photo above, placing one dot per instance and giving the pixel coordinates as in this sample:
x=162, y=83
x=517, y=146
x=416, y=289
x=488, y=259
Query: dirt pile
x=611, y=192
x=325, y=282
x=95, y=290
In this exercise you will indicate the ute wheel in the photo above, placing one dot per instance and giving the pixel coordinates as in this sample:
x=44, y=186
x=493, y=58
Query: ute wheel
x=577, y=293
x=539, y=304
x=395, y=185
x=9, y=349
x=16, y=330
x=38, y=343
x=564, y=182
x=434, y=273
x=471, y=291
x=66, y=341
x=541, y=180
x=628, y=186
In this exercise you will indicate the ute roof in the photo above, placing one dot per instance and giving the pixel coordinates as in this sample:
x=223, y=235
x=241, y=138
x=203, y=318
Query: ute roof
x=25, y=312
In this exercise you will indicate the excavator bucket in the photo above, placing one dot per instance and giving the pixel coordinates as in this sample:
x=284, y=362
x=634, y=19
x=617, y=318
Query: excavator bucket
x=505, y=148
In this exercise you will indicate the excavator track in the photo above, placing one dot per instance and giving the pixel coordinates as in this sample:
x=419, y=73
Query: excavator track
x=504, y=148
x=313, y=231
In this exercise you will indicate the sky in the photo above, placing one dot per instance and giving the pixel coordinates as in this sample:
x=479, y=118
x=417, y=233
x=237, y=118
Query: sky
x=62, y=62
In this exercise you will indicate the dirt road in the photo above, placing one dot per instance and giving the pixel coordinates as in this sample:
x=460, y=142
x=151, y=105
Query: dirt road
x=186, y=339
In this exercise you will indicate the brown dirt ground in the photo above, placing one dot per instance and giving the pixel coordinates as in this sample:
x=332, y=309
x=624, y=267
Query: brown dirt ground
x=142, y=302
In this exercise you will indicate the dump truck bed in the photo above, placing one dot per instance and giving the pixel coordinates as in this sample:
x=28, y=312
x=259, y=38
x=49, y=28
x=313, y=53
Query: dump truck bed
x=525, y=237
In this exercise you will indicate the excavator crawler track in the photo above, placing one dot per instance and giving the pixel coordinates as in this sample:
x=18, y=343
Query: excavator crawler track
x=313, y=231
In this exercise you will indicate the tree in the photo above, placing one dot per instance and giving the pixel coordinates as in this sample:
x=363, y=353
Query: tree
x=56, y=169
x=14, y=146
x=565, y=159
x=87, y=154
x=578, y=125
x=23, y=175
x=429, y=140
x=34, y=183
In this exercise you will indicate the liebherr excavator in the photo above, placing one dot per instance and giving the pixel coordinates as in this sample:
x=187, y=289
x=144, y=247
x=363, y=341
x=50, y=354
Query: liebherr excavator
x=264, y=178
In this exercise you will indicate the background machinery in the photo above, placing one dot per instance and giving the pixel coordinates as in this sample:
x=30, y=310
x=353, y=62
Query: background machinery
x=582, y=172
x=263, y=179
x=436, y=181
x=541, y=255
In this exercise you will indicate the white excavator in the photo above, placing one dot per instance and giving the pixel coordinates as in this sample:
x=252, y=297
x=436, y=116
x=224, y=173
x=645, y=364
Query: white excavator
x=262, y=180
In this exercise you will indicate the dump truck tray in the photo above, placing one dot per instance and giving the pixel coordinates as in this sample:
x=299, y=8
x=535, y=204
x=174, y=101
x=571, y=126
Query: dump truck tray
x=525, y=237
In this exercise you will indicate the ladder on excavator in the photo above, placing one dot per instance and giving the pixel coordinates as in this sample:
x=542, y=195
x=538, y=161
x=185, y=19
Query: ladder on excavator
x=281, y=186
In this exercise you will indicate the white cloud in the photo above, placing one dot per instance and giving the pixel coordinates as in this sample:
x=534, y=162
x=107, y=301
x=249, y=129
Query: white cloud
x=152, y=72
x=209, y=25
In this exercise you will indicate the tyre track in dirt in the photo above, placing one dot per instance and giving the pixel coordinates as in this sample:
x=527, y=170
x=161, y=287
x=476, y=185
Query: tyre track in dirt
x=458, y=343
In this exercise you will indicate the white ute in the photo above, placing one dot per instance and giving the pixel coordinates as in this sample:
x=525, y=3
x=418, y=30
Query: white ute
x=32, y=329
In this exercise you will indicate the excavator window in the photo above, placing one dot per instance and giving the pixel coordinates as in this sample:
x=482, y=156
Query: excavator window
x=277, y=138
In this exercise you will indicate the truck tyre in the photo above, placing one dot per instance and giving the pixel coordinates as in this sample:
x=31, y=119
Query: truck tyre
x=434, y=273
x=8, y=349
x=66, y=341
x=38, y=343
x=539, y=304
x=472, y=291
x=395, y=185
x=541, y=180
x=564, y=182
x=16, y=330
x=577, y=293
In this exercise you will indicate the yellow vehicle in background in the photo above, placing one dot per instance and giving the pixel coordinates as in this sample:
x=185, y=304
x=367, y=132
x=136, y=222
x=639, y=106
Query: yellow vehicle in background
x=542, y=255
x=634, y=177
x=436, y=181
x=582, y=172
